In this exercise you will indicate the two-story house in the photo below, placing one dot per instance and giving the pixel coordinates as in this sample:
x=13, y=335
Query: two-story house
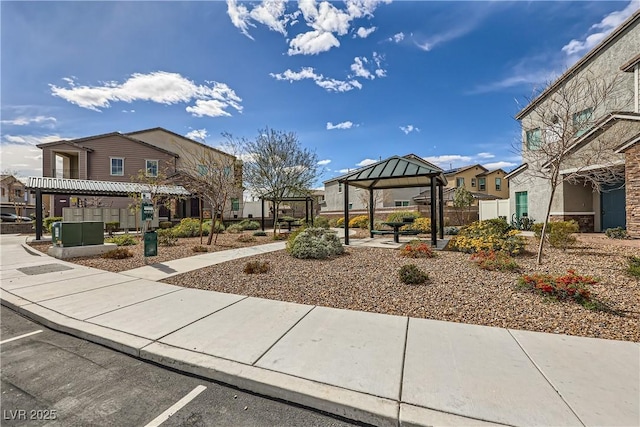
x=120, y=157
x=15, y=199
x=481, y=182
x=586, y=126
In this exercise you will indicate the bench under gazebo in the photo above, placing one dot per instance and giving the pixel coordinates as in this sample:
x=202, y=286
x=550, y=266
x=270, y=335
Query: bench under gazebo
x=399, y=172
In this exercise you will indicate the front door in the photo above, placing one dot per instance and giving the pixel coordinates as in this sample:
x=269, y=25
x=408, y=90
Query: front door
x=613, y=206
x=522, y=204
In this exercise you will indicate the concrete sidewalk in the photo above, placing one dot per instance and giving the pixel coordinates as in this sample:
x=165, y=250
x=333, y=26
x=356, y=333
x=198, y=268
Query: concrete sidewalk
x=379, y=369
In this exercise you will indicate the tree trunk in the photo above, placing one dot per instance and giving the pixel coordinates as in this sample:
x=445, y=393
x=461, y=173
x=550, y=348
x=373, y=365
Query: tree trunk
x=554, y=184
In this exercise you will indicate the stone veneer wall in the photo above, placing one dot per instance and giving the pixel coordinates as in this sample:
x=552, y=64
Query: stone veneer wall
x=585, y=222
x=632, y=189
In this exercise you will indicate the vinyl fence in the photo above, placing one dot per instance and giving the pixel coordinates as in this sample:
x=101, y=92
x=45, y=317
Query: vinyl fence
x=493, y=209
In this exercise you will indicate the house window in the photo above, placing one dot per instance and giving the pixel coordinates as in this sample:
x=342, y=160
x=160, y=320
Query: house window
x=151, y=167
x=482, y=183
x=235, y=204
x=581, y=121
x=459, y=182
x=498, y=184
x=401, y=203
x=473, y=182
x=350, y=205
x=227, y=171
x=339, y=187
x=117, y=166
x=534, y=139
x=2, y=191
x=202, y=170
x=17, y=192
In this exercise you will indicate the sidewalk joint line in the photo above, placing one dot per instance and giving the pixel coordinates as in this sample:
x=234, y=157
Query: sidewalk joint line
x=404, y=359
x=20, y=336
x=119, y=308
x=176, y=406
x=80, y=292
x=56, y=281
x=282, y=336
x=548, y=380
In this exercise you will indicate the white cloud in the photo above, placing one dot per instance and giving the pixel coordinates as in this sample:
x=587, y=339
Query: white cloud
x=270, y=13
x=363, y=33
x=409, y=128
x=485, y=155
x=239, y=17
x=23, y=121
x=362, y=67
x=344, y=170
x=396, y=38
x=128, y=111
x=578, y=47
x=312, y=43
x=499, y=165
x=212, y=99
x=198, y=134
x=28, y=140
x=366, y=162
x=324, y=162
x=19, y=153
x=331, y=85
x=447, y=161
x=358, y=68
x=343, y=125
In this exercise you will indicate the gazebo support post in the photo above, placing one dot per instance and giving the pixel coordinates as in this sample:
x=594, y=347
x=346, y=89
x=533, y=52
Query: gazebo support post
x=434, y=236
x=38, y=214
x=262, y=200
x=371, y=212
x=346, y=212
x=441, y=208
x=312, y=215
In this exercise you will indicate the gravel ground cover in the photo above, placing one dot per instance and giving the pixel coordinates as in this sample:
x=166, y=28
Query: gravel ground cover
x=367, y=279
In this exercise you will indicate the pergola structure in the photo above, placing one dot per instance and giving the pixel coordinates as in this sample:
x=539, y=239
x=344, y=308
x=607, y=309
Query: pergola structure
x=44, y=185
x=398, y=172
x=291, y=197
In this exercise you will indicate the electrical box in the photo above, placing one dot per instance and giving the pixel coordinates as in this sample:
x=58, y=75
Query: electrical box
x=92, y=233
x=68, y=234
x=150, y=243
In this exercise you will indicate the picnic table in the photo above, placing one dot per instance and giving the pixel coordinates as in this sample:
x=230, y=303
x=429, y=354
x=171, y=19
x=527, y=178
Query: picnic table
x=396, y=230
x=288, y=221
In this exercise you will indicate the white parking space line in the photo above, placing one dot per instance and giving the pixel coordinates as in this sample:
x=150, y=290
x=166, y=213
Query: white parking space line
x=176, y=407
x=21, y=336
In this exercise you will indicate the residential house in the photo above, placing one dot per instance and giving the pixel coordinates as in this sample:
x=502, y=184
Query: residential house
x=120, y=157
x=482, y=183
x=603, y=141
x=15, y=199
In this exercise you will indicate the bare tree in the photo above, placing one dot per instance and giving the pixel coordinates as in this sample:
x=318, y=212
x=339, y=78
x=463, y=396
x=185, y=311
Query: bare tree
x=462, y=201
x=378, y=197
x=553, y=131
x=216, y=177
x=277, y=166
x=151, y=184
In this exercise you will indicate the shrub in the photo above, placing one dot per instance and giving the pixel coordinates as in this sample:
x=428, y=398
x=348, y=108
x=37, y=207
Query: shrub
x=321, y=222
x=111, y=227
x=634, y=266
x=410, y=274
x=493, y=234
x=360, y=221
x=417, y=249
x=190, y=227
x=218, y=228
x=280, y=236
x=199, y=248
x=492, y=260
x=118, y=253
x=167, y=237
x=616, y=233
x=259, y=233
x=571, y=286
x=248, y=224
x=291, y=237
x=559, y=234
x=316, y=243
x=399, y=216
x=423, y=225
x=245, y=238
x=165, y=224
x=451, y=231
x=123, y=240
x=235, y=229
x=46, y=223
x=257, y=267
x=340, y=222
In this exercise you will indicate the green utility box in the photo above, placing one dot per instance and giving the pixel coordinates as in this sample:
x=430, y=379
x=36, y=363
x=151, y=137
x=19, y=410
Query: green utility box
x=150, y=243
x=67, y=234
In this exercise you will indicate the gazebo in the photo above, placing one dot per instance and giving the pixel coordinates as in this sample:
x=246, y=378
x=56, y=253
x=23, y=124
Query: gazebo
x=398, y=172
x=291, y=197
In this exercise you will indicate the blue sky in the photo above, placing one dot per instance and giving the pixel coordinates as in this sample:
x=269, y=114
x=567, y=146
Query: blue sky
x=356, y=80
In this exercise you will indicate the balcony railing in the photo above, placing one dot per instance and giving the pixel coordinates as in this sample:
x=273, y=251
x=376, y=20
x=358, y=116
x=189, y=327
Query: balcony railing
x=66, y=173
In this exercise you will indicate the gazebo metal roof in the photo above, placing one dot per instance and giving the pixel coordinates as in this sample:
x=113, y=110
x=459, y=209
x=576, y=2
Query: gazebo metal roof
x=396, y=172
x=103, y=188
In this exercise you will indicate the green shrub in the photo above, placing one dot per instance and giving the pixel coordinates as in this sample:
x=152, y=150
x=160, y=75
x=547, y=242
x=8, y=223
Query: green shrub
x=246, y=238
x=451, y=231
x=360, y=221
x=291, y=237
x=235, y=229
x=410, y=274
x=340, y=222
x=616, y=233
x=321, y=222
x=634, y=266
x=316, y=243
x=559, y=234
x=492, y=260
x=118, y=253
x=111, y=227
x=46, y=223
x=259, y=233
x=190, y=227
x=167, y=237
x=399, y=216
x=123, y=240
x=248, y=224
x=423, y=225
x=257, y=267
x=218, y=228
x=489, y=235
x=280, y=236
x=199, y=248
x=165, y=224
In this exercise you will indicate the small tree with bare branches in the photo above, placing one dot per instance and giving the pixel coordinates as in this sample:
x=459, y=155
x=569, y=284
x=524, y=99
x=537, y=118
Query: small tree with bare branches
x=574, y=113
x=378, y=197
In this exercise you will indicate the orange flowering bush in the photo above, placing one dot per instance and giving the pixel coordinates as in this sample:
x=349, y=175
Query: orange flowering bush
x=492, y=260
x=570, y=286
x=417, y=250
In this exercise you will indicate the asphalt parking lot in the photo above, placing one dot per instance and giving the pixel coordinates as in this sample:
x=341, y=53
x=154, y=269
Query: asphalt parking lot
x=49, y=378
